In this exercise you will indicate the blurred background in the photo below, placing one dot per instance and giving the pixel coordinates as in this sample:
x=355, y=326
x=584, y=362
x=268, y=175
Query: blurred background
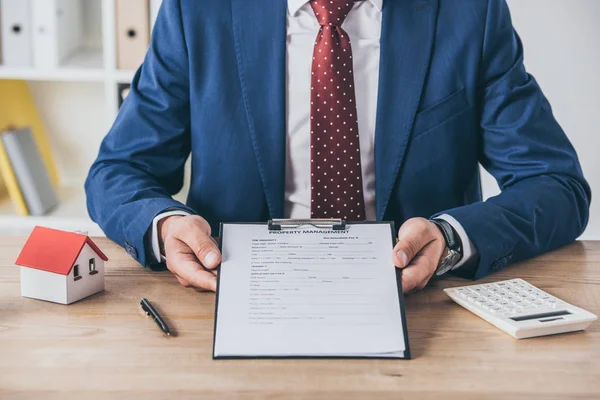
x=65, y=67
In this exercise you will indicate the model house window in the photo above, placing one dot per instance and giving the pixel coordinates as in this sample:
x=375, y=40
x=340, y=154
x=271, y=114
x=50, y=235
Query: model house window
x=76, y=275
x=92, y=266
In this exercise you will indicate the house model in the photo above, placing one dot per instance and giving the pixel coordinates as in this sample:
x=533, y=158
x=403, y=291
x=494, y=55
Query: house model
x=62, y=267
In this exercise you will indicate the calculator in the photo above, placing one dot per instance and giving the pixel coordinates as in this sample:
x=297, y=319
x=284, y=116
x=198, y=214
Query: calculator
x=520, y=309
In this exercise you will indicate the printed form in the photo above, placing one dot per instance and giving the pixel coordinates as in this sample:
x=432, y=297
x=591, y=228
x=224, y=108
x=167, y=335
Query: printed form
x=308, y=292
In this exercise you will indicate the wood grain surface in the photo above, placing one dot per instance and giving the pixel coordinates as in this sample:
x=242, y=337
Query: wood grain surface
x=104, y=347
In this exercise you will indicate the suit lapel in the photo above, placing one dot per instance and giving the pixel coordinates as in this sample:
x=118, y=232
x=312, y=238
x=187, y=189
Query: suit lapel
x=406, y=45
x=260, y=40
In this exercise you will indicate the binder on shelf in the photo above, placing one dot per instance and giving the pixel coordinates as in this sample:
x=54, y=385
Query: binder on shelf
x=133, y=32
x=123, y=90
x=10, y=181
x=16, y=35
x=17, y=108
x=28, y=168
x=154, y=8
x=57, y=31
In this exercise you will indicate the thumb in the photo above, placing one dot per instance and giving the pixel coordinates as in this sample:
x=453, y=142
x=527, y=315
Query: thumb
x=413, y=236
x=199, y=241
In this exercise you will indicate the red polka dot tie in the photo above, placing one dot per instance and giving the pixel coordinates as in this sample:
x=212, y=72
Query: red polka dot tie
x=336, y=175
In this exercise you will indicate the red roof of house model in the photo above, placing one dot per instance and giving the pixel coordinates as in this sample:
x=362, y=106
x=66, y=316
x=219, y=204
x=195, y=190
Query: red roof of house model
x=54, y=251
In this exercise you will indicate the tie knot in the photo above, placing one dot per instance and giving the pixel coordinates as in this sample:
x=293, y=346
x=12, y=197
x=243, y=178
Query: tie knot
x=331, y=12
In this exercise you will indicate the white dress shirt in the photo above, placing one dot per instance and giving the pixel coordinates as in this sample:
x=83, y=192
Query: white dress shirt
x=363, y=26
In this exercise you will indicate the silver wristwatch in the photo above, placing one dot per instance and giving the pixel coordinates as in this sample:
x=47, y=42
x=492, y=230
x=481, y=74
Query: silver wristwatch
x=453, y=253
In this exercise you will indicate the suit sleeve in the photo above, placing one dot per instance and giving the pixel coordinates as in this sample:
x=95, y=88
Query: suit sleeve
x=544, y=203
x=141, y=161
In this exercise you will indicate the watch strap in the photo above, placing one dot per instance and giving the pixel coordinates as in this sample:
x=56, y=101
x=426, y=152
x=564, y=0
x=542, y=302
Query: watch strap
x=453, y=241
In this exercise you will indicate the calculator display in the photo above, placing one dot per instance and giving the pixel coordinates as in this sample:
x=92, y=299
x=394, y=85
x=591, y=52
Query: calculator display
x=538, y=316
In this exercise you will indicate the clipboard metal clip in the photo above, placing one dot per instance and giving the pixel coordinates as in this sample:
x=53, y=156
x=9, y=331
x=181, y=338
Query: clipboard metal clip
x=333, y=224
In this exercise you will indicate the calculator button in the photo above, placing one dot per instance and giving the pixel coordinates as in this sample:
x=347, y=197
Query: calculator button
x=552, y=303
x=495, y=309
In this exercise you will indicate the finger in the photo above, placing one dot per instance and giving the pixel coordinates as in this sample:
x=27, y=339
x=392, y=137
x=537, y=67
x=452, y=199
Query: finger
x=184, y=264
x=194, y=274
x=417, y=274
x=413, y=236
x=197, y=238
x=422, y=267
x=182, y=282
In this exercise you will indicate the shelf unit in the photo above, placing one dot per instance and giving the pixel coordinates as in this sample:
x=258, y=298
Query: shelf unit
x=78, y=102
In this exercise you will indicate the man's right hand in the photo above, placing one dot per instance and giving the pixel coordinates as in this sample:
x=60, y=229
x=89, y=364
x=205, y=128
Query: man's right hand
x=192, y=255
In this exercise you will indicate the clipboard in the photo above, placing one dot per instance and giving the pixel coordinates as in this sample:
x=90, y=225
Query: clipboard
x=327, y=224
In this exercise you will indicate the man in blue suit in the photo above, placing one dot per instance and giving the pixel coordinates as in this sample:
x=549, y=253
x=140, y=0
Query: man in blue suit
x=419, y=92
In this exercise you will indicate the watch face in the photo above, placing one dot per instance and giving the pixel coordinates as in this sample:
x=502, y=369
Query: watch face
x=443, y=269
x=448, y=263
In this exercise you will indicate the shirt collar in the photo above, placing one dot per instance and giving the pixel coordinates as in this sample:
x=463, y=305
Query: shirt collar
x=295, y=5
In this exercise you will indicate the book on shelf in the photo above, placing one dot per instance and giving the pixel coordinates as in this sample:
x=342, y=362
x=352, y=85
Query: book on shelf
x=10, y=182
x=28, y=168
x=17, y=108
x=3, y=191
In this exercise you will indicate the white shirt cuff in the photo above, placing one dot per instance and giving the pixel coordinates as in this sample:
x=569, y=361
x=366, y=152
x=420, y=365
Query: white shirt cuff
x=155, y=245
x=469, y=250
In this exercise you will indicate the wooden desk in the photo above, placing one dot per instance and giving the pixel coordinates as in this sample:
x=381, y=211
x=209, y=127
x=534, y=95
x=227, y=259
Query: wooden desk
x=105, y=347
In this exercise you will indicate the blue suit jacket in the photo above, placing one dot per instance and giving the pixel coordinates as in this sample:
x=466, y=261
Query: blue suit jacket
x=453, y=92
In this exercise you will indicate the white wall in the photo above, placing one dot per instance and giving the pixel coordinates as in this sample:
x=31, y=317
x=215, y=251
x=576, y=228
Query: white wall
x=75, y=117
x=562, y=50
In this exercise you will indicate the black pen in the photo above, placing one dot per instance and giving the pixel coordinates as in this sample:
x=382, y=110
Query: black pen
x=151, y=312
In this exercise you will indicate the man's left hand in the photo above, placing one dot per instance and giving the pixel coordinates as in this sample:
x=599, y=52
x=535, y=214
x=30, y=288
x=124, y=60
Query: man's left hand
x=418, y=252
